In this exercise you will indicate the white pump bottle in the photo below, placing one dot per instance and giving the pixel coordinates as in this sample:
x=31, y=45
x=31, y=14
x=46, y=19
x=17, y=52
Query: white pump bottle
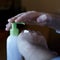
x=12, y=50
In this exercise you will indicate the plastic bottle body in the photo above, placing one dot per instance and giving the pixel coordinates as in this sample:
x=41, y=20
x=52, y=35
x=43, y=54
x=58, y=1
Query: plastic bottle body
x=12, y=50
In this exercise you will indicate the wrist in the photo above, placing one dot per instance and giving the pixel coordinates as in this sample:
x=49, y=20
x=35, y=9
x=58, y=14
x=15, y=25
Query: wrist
x=55, y=22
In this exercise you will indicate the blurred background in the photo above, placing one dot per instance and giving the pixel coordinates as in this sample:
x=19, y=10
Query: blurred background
x=9, y=8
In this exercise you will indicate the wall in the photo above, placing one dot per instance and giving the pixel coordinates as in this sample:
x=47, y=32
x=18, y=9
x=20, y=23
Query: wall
x=42, y=5
x=4, y=4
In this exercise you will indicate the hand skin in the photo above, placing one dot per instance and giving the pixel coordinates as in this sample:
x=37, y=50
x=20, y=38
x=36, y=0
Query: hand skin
x=32, y=46
x=36, y=18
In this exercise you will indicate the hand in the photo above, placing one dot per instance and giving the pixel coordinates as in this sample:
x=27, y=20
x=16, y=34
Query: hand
x=32, y=45
x=30, y=17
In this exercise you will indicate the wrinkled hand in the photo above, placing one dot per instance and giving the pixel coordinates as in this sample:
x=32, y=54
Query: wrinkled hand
x=30, y=17
x=32, y=45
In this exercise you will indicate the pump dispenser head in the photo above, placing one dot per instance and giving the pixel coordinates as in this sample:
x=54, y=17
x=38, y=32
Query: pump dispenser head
x=14, y=30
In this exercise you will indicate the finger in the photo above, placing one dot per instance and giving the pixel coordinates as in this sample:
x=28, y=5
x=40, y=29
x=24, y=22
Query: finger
x=14, y=18
x=27, y=17
x=11, y=19
x=8, y=26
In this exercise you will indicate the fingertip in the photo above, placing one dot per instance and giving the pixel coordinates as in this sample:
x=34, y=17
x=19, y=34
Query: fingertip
x=9, y=20
x=6, y=29
x=12, y=19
